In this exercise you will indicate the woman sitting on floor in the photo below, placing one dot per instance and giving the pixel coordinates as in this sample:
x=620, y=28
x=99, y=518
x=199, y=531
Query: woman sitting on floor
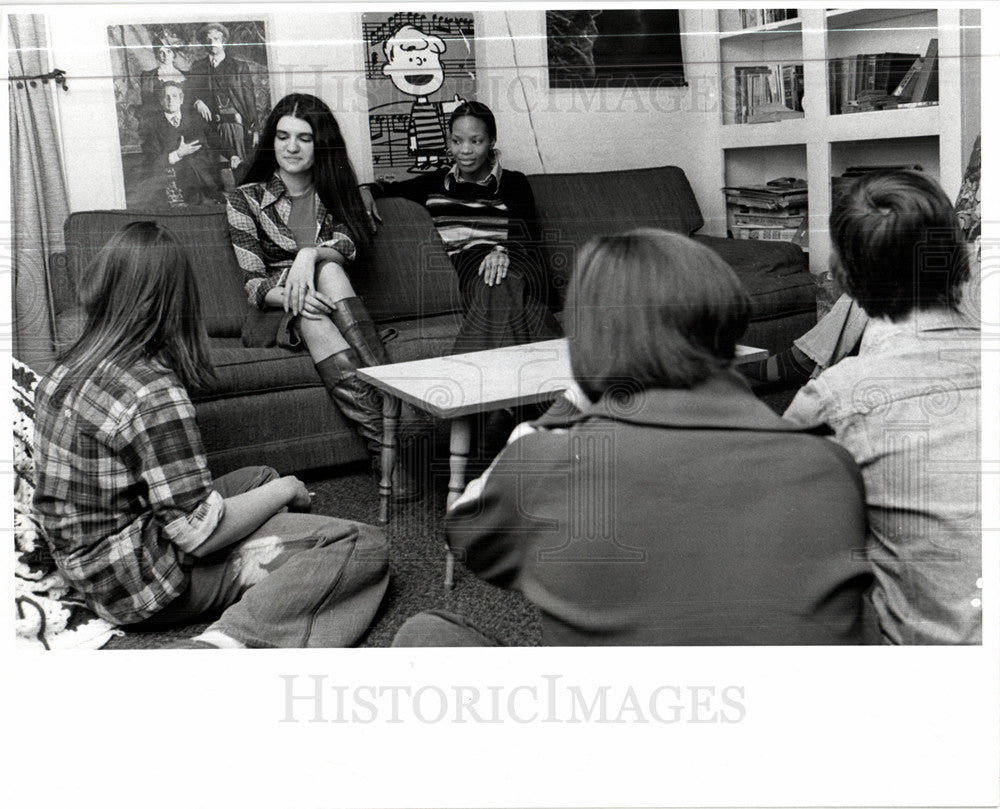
x=645, y=519
x=486, y=217
x=130, y=511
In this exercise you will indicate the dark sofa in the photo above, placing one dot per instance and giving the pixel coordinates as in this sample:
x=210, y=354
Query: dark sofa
x=268, y=405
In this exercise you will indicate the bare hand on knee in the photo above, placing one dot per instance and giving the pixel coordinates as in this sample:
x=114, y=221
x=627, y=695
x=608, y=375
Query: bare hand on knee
x=316, y=306
x=493, y=268
x=301, y=281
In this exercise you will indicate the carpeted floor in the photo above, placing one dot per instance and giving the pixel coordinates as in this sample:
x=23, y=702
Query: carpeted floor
x=416, y=555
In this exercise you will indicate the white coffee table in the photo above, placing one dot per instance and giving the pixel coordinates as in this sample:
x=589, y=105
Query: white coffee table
x=459, y=386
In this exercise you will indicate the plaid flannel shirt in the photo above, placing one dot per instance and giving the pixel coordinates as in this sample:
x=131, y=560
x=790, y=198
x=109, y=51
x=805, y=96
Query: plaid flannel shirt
x=123, y=487
x=264, y=244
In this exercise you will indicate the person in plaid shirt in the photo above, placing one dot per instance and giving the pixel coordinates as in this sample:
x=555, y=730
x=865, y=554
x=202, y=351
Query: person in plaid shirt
x=129, y=508
x=295, y=223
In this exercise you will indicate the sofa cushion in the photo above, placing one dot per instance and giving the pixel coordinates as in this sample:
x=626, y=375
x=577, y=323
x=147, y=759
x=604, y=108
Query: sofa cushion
x=748, y=257
x=206, y=237
x=775, y=274
x=415, y=276
x=241, y=371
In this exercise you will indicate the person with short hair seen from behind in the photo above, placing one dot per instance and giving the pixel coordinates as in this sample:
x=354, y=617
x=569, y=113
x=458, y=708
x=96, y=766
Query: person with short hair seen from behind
x=644, y=519
x=130, y=511
x=907, y=406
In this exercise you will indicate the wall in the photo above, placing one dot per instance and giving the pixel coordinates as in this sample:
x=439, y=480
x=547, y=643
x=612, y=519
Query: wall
x=540, y=129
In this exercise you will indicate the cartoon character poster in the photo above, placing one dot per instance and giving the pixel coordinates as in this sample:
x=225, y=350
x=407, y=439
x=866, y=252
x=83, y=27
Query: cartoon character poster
x=191, y=97
x=419, y=68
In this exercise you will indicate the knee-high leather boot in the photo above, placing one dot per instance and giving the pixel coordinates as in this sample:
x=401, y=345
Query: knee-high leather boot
x=358, y=402
x=356, y=325
x=362, y=404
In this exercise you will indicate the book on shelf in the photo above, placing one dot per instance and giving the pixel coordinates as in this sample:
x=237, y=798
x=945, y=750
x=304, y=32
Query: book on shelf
x=857, y=171
x=925, y=84
x=766, y=93
x=765, y=234
x=766, y=197
x=838, y=185
x=873, y=81
x=754, y=17
x=756, y=220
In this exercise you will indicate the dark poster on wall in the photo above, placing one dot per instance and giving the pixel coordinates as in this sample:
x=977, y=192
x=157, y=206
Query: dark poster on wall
x=191, y=98
x=614, y=48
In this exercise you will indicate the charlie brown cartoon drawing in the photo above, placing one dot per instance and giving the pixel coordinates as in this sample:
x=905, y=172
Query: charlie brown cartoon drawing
x=413, y=64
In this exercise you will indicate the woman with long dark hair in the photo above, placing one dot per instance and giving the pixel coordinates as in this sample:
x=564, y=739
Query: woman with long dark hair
x=296, y=223
x=131, y=513
x=485, y=215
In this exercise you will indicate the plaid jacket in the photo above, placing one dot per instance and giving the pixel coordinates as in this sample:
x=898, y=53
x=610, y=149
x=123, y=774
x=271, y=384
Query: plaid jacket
x=264, y=243
x=123, y=488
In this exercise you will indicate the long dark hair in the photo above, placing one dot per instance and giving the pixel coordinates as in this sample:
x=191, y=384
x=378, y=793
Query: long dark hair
x=333, y=174
x=140, y=300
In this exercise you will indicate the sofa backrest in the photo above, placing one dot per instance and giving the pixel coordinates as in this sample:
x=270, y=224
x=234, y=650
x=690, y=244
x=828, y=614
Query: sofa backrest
x=206, y=236
x=413, y=275
x=406, y=272
x=574, y=207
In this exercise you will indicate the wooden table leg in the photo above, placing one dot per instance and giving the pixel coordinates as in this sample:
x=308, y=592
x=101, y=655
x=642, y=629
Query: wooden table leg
x=461, y=440
x=390, y=442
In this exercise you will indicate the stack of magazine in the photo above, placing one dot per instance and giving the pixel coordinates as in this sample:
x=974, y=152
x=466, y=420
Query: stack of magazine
x=775, y=211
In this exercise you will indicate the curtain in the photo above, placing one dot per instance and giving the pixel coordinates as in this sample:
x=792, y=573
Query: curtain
x=39, y=204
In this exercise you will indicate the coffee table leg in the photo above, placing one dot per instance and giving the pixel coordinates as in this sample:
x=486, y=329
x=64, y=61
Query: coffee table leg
x=461, y=440
x=390, y=428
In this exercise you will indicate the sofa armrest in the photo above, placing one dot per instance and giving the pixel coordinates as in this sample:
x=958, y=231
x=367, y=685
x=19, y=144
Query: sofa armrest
x=62, y=282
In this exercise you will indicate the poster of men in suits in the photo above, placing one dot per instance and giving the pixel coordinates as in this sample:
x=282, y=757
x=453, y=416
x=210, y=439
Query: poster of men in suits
x=190, y=98
x=419, y=67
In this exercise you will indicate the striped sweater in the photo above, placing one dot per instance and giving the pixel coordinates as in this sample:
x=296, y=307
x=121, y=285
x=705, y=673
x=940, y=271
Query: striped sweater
x=469, y=215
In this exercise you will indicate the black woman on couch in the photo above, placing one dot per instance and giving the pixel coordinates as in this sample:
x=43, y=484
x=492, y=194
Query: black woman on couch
x=485, y=215
x=296, y=223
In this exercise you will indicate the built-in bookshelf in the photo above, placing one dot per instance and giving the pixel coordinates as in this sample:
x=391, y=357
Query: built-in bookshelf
x=824, y=136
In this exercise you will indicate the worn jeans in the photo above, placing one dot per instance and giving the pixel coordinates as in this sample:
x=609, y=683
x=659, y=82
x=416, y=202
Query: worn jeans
x=300, y=580
x=435, y=628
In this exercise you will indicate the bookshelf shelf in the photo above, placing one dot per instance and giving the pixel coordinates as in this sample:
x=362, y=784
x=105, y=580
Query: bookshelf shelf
x=821, y=145
x=777, y=133
x=882, y=124
x=770, y=31
x=860, y=18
